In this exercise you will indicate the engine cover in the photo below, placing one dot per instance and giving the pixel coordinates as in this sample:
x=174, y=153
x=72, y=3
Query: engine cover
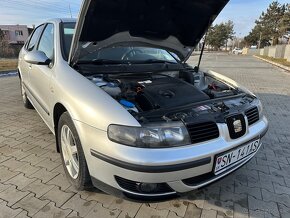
x=168, y=92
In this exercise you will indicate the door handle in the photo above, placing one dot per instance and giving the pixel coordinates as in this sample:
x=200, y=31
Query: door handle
x=30, y=66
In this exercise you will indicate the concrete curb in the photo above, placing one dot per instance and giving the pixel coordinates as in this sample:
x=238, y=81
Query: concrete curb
x=273, y=63
x=8, y=73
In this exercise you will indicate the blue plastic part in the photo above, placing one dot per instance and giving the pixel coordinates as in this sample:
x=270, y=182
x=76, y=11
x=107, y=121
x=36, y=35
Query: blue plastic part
x=127, y=104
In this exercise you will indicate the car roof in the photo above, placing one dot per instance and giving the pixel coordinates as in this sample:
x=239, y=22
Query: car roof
x=64, y=20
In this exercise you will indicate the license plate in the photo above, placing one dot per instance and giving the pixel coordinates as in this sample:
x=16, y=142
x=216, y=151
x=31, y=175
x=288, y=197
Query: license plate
x=226, y=160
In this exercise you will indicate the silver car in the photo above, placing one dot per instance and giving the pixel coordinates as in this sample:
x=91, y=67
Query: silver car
x=128, y=114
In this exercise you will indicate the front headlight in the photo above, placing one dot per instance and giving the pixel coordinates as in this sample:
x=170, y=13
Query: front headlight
x=158, y=135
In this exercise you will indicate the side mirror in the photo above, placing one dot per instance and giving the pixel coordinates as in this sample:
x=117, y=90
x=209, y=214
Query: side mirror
x=37, y=57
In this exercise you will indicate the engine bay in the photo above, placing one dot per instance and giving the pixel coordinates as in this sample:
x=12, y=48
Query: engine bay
x=172, y=96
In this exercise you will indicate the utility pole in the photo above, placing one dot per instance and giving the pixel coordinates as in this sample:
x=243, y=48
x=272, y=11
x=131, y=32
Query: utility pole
x=70, y=11
x=259, y=46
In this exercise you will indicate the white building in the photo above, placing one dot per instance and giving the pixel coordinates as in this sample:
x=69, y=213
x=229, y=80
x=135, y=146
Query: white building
x=15, y=34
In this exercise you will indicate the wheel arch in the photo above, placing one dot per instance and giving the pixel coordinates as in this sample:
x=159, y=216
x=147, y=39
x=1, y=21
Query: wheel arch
x=58, y=110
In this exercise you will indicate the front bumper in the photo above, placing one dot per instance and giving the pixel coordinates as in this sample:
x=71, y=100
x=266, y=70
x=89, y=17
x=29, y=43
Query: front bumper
x=173, y=166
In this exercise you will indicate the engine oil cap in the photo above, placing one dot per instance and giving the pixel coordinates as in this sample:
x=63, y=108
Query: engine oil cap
x=127, y=104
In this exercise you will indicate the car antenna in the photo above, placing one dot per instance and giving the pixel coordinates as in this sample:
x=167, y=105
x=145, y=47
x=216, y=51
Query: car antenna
x=196, y=69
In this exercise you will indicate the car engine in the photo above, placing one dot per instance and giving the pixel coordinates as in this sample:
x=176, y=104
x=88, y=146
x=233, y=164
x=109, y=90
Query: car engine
x=165, y=96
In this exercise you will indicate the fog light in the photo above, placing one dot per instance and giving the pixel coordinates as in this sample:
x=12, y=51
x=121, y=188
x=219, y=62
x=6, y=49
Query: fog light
x=148, y=187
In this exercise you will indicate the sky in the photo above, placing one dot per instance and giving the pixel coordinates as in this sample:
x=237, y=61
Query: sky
x=242, y=12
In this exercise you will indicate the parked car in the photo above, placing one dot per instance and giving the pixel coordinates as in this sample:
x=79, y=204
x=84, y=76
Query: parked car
x=237, y=51
x=128, y=114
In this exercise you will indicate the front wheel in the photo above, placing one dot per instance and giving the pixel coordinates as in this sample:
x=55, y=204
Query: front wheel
x=73, y=158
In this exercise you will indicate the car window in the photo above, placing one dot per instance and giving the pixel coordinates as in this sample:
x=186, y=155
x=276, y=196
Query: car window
x=67, y=35
x=46, y=43
x=34, y=38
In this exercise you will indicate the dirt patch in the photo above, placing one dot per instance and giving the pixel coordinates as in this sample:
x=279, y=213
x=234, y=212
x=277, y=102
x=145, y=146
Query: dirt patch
x=8, y=64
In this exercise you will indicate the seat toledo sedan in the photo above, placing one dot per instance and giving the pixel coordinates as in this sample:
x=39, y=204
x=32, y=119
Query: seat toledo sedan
x=129, y=115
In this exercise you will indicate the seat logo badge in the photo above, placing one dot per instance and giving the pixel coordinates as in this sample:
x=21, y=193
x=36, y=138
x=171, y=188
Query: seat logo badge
x=238, y=126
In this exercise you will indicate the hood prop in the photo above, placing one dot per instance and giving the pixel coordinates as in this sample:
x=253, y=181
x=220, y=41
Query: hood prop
x=196, y=69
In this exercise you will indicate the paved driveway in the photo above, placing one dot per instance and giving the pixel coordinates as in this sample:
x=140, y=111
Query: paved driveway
x=32, y=181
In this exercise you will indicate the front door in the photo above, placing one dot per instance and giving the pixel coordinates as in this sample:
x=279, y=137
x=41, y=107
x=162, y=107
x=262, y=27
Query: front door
x=40, y=75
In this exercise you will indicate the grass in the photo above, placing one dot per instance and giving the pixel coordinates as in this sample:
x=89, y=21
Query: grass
x=8, y=64
x=276, y=60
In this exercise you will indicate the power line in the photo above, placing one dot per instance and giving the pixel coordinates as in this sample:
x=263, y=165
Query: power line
x=48, y=7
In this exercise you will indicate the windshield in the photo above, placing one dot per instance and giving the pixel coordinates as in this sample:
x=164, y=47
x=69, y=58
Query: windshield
x=132, y=54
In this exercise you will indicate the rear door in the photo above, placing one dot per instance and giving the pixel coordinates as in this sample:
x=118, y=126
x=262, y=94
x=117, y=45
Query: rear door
x=40, y=75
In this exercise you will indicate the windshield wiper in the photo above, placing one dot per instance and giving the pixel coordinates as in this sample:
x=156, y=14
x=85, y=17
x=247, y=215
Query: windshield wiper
x=102, y=62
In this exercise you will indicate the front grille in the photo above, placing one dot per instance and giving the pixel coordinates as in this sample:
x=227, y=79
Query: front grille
x=202, y=132
x=133, y=186
x=252, y=115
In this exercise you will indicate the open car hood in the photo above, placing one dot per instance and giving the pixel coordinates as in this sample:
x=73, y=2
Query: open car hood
x=173, y=25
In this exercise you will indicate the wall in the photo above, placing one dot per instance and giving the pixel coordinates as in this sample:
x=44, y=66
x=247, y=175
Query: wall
x=278, y=51
x=249, y=51
x=287, y=53
x=272, y=51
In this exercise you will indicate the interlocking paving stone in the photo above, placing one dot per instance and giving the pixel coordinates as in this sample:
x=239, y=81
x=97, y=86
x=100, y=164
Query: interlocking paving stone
x=279, y=198
x=12, y=195
x=147, y=212
x=192, y=211
x=31, y=204
x=38, y=188
x=240, y=212
x=226, y=207
x=20, y=181
x=58, y=196
x=73, y=214
x=19, y=154
x=23, y=214
x=105, y=199
x=99, y=211
x=176, y=206
x=27, y=169
x=196, y=197
x=33, y=159
x=128, y=208
x=208, y=214
x=261, y=188
x=12, y=163
x=3, y=158
x=61, y=181
x=48, y=164
x=7, y=212
x=7, y=150
x=44, y=175
x=268, y=208
x=279, y=189
x=83, y=207
x=284, y=211
x=255, y=192
x=50, y=210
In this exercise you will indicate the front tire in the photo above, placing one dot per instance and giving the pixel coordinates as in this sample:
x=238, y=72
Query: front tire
x=72, y=155
x=27, y=104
